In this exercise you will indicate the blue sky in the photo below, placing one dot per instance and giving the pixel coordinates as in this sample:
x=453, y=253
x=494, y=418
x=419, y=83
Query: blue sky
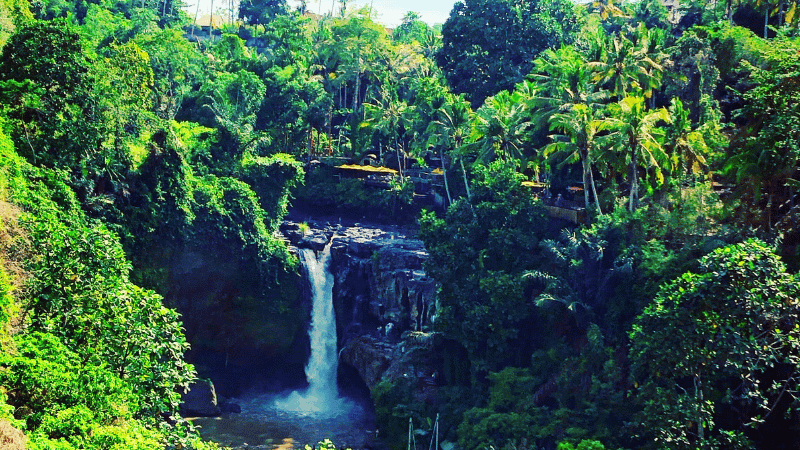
x=390, y=12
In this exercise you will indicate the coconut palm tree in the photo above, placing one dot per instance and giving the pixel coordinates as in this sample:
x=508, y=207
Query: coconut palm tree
x=685, y=146
x=580, y=125
x=564, y=79
x=449, y=130
x=569, y=100
x=500, y=128
x=635, y=132
x=389, y=116
x=633, y=63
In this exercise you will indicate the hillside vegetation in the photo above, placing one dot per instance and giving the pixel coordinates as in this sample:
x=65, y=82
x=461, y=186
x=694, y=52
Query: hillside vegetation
x=146, y=165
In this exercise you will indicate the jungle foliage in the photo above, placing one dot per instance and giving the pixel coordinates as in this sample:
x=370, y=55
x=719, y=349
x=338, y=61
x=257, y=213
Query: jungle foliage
x=134, y=147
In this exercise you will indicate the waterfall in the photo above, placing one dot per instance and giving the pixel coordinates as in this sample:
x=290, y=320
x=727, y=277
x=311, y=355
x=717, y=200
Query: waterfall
x=323, y=362
x=322, y=395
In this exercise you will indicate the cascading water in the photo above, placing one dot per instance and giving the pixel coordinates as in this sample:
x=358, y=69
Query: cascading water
x=323, y=361
x=310, y=415
x=322, y=394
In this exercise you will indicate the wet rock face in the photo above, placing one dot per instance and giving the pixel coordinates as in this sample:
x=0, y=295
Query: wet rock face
x=235, y=333
x=200, y=400
x=380, y=287
x=380, y=291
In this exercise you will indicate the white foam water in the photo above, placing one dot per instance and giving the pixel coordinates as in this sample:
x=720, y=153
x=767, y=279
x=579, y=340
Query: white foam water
x=322, y=394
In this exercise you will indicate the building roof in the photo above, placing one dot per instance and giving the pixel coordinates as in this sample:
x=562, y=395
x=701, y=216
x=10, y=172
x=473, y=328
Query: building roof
x=368, y=169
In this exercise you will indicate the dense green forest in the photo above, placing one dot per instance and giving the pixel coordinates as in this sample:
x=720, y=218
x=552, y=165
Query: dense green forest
x=668, y=318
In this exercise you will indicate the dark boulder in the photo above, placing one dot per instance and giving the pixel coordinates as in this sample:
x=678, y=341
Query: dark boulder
x=200, y=400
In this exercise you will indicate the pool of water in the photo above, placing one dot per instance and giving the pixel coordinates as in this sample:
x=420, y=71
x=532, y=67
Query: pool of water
x=274, y=422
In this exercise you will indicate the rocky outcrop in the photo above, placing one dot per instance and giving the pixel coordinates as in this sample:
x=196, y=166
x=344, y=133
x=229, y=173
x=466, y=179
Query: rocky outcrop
x=381, y=294
x=370, y=356
x=417, y=358
x=380, y=286
x=200, y=400
x=236, y=332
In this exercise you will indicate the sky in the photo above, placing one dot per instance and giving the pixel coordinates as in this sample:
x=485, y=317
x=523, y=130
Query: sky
x=390, y=12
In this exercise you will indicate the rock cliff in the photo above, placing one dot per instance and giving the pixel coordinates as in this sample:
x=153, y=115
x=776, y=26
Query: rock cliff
x=237, y=336
x=384, y=302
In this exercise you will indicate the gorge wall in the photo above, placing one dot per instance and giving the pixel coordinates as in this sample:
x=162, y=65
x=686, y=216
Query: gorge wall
x=385, y=304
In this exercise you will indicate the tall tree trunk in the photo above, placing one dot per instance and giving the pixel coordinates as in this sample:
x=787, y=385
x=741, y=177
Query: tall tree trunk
x=196, y=13
x=444, y=173
x=210, y=23
x=330, y=122
x=586, y=177
x=730, y=12
x=399, y=160
x=466, y=183
x=355, y=93
x=634, y=195
x=308, y=142
x=698, y=392
x=594, y=190
x=766, y=19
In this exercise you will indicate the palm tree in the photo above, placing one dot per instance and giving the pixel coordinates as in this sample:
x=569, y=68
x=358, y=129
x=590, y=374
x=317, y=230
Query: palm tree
x=564, y=78
x=632, y=65
x=635, y=131
x=685, y=146
x=569, y=100
x=449, y=130
x=389, y=116
x=580, y=126
x=500, y=127
x=606, y=9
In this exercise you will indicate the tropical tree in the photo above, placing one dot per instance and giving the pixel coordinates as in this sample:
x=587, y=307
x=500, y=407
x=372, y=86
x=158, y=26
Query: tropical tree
x=234, y=99
x=652, y=13
x=685, y=146
x=414, y=32
x=563, y=79
x=482, y=294
x=449, y=131
x=569, y=100
x=635, y=132
x=178, y=69
x=500, y=126
x=358, y=42
x=411, y=29
x=632, y=63
x=580, y=125
x=735, y=323
x=389, y=116
x=295, y=104
x=606, y=9
x=489, y=45
x=766, y=153
x=580, y=269
x=46, y=85
x=261, y=12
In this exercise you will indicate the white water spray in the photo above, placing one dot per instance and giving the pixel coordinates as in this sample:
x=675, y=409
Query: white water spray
x=323, y=362
x=322, y=394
